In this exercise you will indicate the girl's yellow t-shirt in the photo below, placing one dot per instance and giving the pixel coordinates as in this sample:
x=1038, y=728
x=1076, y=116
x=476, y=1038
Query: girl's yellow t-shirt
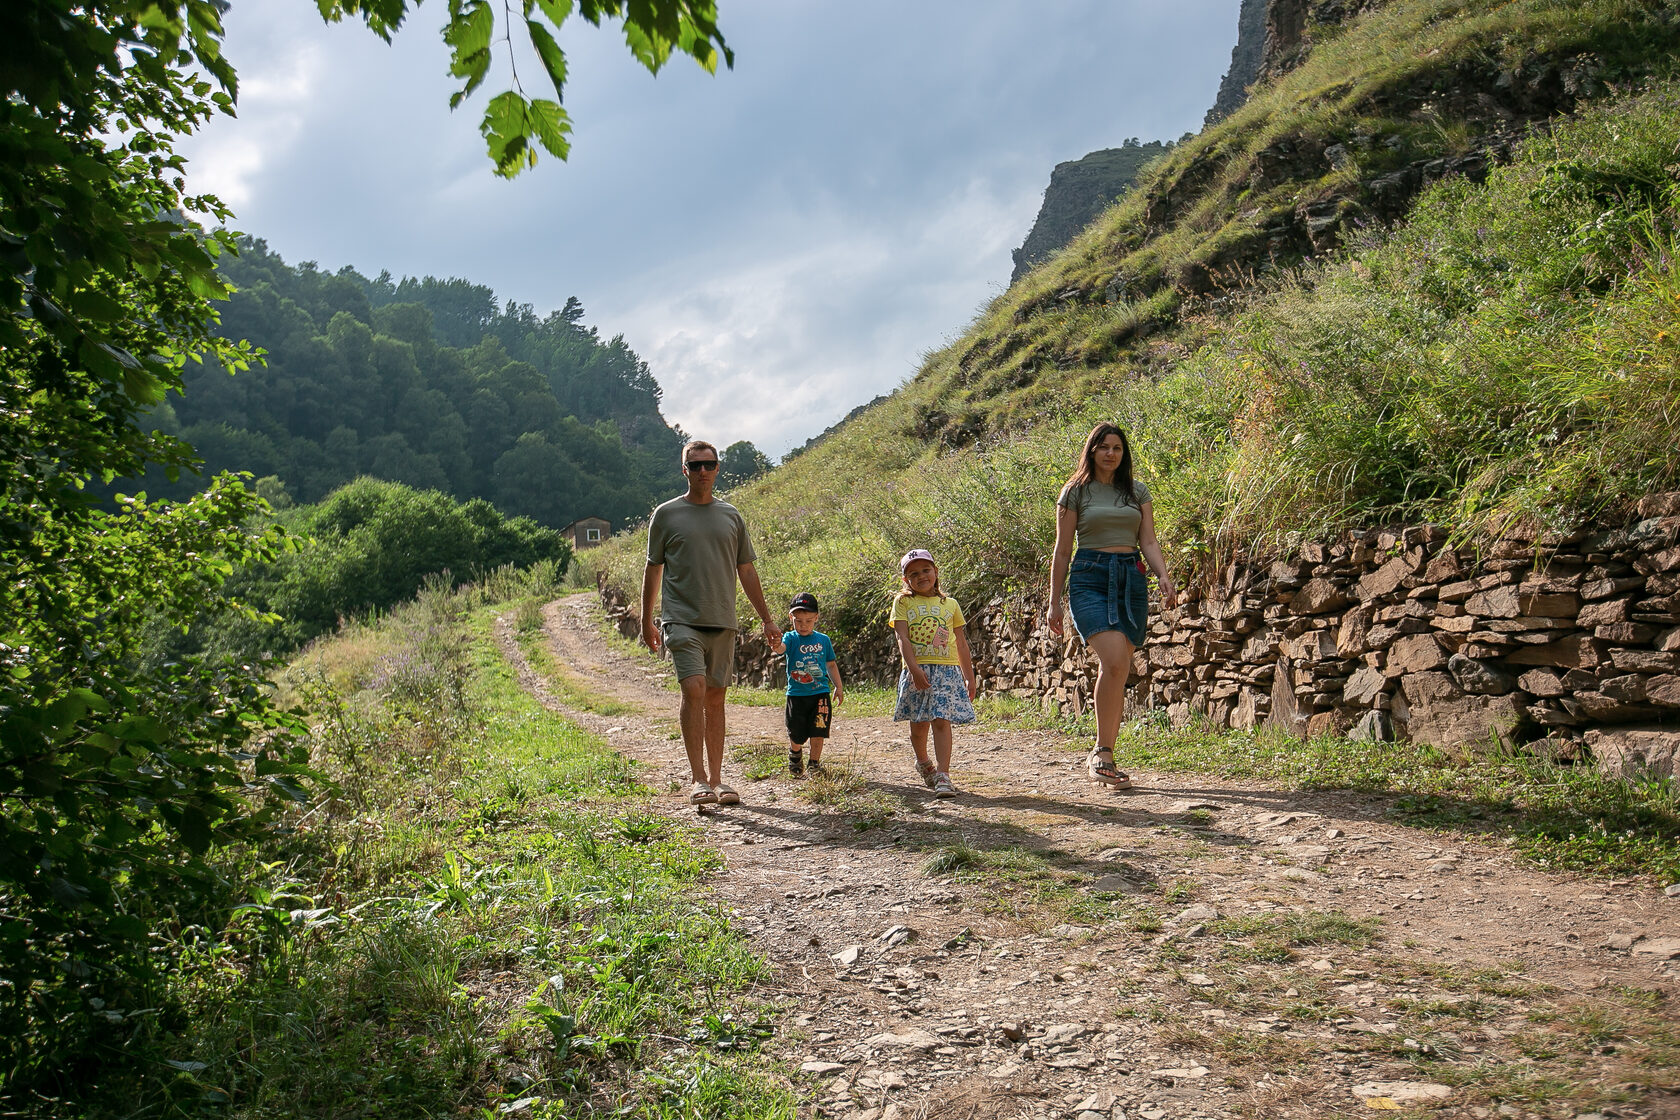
x=932, y=623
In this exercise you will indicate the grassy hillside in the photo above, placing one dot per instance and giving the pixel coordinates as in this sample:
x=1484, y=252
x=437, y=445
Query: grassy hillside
x=1424, y=275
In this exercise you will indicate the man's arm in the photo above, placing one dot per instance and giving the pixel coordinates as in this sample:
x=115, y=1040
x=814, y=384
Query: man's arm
x=650, y=587
x=755, y=596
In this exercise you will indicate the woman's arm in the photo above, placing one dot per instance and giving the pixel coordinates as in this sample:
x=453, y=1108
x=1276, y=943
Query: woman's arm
x=1152, y=552
x=907, y=650
x=967, y=662
x=1067, y=521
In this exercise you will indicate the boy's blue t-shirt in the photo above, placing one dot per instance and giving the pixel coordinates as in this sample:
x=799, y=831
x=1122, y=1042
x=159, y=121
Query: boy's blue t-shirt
x=807, y=662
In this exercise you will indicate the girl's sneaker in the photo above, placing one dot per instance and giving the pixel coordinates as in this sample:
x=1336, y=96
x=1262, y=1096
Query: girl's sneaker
x=796, y=763
x=927, y=770
x=942, y=786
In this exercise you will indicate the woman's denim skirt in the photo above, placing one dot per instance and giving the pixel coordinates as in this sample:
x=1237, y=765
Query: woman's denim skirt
x=1109, y=591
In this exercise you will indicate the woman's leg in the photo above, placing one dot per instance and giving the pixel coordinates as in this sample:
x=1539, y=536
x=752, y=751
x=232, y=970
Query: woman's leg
x=1114, y=666
x=942, y=745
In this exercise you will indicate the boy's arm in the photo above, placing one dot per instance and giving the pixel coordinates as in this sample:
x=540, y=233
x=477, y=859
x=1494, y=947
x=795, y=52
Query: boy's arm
x=967, y=662
x=839, y=686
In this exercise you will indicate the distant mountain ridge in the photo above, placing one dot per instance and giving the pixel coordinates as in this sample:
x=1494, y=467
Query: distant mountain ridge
x=1269, y=34
x=1080, y=190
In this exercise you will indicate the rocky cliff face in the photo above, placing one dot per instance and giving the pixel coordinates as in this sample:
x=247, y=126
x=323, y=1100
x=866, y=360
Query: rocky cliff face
x=1272, y=38
x=1079, y=190
x=1246, y=59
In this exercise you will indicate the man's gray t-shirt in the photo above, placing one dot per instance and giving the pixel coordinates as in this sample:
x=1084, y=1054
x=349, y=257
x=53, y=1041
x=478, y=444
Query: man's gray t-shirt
x=700, y=546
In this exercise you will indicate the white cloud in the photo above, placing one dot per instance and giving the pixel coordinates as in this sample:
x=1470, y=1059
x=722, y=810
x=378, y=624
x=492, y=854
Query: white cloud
x=274, y=99
x=789, y=338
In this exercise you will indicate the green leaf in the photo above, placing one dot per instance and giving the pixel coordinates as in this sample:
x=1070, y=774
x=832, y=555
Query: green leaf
x=468, y=34
x=505, y=129
x=557, y=11
x=551, y=125
x=553, y=58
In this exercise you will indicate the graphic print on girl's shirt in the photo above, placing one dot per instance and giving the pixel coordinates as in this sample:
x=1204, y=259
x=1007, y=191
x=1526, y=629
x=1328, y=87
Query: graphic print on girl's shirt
x=931, y=620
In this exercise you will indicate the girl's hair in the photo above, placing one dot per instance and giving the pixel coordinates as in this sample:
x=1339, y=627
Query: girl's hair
x=1085, y=469
x=906, y=593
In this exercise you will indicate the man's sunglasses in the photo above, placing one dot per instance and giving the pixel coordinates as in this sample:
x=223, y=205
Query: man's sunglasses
x=702, y=464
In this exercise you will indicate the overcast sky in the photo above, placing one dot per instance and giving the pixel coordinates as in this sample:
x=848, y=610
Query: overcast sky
x=780, y=242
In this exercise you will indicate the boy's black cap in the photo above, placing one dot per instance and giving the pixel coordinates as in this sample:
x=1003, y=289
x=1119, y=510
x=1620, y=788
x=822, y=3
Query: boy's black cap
x=804, y=601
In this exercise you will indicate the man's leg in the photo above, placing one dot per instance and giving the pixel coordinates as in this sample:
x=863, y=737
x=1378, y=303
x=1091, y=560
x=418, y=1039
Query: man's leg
x=713, y=729
x=692, y=716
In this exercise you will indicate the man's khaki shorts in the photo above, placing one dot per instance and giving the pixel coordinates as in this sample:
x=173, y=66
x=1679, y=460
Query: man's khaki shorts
x=697, y=650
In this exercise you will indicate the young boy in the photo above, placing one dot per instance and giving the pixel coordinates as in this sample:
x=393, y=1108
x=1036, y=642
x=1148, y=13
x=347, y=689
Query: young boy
x=810, y=668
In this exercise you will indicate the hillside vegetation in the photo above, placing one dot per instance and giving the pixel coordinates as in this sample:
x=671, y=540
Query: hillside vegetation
x=433, y=383
x=1425, y=275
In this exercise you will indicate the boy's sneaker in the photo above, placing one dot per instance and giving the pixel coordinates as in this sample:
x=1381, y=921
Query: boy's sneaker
x=942, y=786
x=815, y=768
x=927, y=770
x=796, y=763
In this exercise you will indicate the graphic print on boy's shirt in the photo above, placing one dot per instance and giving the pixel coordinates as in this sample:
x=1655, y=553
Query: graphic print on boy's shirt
x=931, y=621
x=807, y=662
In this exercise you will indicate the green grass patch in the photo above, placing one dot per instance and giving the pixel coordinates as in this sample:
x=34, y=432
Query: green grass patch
x=842, y=786
x=759, y=758
x=1557, y=817
x=489, y=913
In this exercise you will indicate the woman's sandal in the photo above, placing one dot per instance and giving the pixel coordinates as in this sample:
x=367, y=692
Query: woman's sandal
x=1106, y=773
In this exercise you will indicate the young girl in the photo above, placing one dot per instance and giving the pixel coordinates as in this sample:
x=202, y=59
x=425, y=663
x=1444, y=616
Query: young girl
x=936, y=687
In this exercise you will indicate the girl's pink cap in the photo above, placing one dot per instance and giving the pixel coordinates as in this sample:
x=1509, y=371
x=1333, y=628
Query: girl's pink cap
x=914, y=555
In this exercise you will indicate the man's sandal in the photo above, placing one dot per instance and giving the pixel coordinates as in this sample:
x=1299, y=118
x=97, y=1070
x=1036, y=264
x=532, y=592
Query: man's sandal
x=1105, y=772
x=701, y=793
x=726, y=795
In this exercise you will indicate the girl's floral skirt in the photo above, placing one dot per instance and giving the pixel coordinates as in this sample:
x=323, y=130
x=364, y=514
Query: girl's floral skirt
x=947, y=698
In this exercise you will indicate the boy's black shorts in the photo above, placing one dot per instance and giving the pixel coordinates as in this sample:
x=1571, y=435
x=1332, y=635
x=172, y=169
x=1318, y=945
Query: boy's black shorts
x=807, y=717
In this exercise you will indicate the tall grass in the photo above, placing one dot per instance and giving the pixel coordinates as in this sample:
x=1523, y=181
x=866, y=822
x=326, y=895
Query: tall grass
x=483, y=919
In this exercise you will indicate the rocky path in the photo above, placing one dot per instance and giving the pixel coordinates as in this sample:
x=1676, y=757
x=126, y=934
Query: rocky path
x=1040, y=947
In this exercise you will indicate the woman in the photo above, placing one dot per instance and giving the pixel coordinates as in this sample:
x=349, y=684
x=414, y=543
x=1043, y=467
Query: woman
x=1111, y=514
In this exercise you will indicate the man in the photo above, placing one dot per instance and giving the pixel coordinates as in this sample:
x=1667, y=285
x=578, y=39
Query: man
x=697, y=549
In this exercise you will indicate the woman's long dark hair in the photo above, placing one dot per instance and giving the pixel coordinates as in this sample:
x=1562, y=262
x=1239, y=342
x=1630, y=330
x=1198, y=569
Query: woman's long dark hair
x=1085, y=470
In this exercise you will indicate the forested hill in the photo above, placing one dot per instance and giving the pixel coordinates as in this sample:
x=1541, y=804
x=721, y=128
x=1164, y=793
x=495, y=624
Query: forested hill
x=433, y=383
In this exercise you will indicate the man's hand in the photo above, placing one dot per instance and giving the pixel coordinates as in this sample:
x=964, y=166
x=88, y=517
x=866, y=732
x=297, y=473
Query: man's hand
x=772, y=633
x=650, y=634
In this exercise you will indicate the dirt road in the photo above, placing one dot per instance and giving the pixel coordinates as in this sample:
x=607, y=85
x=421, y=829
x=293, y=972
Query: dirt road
x=1041, y=947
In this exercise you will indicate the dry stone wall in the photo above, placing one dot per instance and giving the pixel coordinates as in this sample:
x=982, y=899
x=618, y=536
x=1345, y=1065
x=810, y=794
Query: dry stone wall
x=1568, y=645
